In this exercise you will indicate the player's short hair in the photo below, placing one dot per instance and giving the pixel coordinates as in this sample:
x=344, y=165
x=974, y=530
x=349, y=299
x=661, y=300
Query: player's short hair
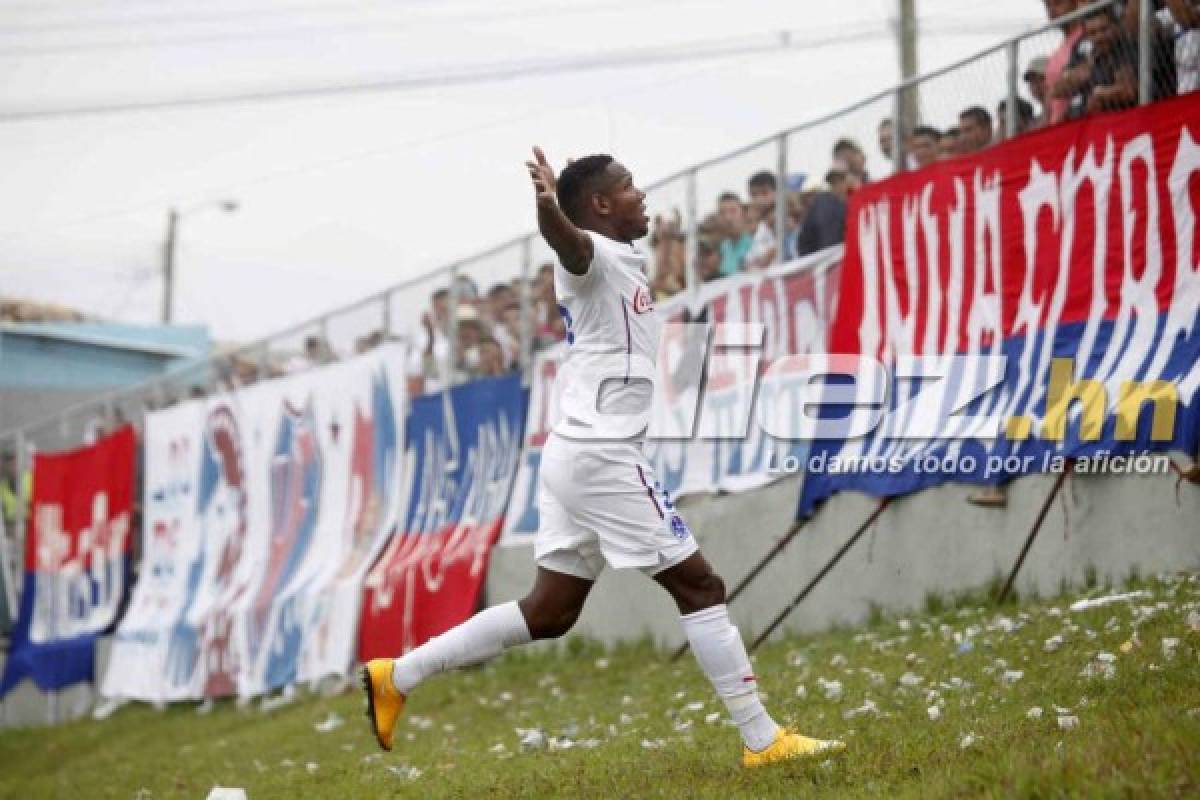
x=578, y=182
x=726, y=196
x=979, y=114
x=762, y=179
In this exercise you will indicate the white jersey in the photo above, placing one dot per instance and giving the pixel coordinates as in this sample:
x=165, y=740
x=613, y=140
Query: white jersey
x=612, y=340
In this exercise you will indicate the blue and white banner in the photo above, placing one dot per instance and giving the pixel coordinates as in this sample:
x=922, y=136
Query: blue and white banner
x=264, y=508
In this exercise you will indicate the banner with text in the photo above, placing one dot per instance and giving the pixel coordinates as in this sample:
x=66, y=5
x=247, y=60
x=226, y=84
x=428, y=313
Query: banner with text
x=264, y=508
x=76, y=561
x=711, y=441
x=460, y=459
x=1065, y=265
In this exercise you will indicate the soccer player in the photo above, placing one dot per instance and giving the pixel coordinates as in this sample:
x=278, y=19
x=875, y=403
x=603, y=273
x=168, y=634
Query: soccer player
x=598, y=500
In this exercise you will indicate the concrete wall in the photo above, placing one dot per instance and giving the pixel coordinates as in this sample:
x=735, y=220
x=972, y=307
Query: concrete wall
x=931, y=542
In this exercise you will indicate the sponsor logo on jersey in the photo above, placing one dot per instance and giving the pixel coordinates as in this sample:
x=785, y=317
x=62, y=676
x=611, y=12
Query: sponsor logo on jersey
x=679, y=527
x=641, y=301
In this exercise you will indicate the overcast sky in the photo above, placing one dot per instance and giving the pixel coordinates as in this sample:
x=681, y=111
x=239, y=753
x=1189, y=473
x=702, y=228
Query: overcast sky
x=343, y=195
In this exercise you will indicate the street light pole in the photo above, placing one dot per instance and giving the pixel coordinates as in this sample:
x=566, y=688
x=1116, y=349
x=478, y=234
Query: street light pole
x=169, y=265
x=169, y=253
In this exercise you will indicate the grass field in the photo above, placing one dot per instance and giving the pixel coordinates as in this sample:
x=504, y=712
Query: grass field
x=626, y=723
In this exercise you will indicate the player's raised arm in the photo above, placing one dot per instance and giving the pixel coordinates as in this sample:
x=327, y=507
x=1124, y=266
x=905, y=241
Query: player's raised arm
x=573, y=246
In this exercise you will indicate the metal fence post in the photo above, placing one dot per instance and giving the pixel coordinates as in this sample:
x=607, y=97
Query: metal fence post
x=898, y=122
x=1010, y=105
x=525, y=356
x=1145, y=43
x=452, y=330
x=689, y=254
x=781, y=195
x=24, y=505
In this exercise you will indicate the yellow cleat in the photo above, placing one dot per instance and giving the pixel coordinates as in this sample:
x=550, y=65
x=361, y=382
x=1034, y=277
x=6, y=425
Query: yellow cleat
x=384, y=703
x=789, y=745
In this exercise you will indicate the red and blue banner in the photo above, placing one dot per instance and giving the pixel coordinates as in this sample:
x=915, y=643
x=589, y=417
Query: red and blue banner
x=76, y=561
x=460, y=460
x=1070, y=251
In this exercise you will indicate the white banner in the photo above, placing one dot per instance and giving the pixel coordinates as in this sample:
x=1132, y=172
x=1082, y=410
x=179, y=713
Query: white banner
x=263, y=510
x=725, y=449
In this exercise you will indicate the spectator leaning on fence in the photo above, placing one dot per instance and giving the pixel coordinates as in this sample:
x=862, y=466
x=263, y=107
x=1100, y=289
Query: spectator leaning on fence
x=1106, y=78
x=1025, y=118
x=887, y=138
x=975, y=130
x=847, y=152
x=1067, y=53
x=948, y=144
x=735, y=239
x=1177, y=41
x=1035, y=81
x=761, y=187
x=825, y=223
x=924, y=146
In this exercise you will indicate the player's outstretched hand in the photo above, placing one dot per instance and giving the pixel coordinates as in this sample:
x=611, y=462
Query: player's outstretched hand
x=542, y=175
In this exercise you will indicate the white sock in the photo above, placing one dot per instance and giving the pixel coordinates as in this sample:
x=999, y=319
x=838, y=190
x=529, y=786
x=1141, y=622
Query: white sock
x=722, y=655
x=482, y=637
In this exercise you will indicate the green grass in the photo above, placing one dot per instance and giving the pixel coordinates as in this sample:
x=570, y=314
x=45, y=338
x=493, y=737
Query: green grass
x=1138, y=733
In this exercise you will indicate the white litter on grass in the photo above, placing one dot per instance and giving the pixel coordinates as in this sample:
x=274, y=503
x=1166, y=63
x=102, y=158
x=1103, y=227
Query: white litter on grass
x=1107, y=600
x=838, y=660
x=330, y=723
x=626, y=700
x=1193, y=621
x=1052, y=644
x=1034, y=713
x=405, y=772
x=287, y=763
x=601, y=663
x=531, y=739
x=797, y=659
x=653, y=744
x=205, y=707
x=801, y=691
x=912, y=659
x=934, y=712
x=694, y=706
x=867, y=708
x=1068, y=722
x=683, y=725
x=1011, y=676
x=911, y=679
x=1168, y=647
x=712, y=719
x=216, y=793
x=968, y=740
x=625, y=719
x=284, y=698
x=831, y=689
x=312, y=767
x=556, y=743
x=420, y=723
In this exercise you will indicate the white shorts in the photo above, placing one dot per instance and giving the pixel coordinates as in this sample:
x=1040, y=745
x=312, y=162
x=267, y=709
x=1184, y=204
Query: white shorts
x=599, y=502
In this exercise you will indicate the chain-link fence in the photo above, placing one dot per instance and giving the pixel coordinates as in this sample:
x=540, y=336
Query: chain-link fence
x=765, y=203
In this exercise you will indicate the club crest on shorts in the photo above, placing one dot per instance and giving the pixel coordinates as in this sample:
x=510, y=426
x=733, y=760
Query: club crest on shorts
x=679, y=528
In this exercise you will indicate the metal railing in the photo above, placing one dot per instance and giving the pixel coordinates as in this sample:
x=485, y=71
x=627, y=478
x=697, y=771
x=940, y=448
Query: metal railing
x=796, y=158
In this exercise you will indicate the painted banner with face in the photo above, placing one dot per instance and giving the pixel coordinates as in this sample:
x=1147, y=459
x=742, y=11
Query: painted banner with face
x=704, y=434
x=264, y=507
x=77, y=552
x=461, y=455
x=1071, y=253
